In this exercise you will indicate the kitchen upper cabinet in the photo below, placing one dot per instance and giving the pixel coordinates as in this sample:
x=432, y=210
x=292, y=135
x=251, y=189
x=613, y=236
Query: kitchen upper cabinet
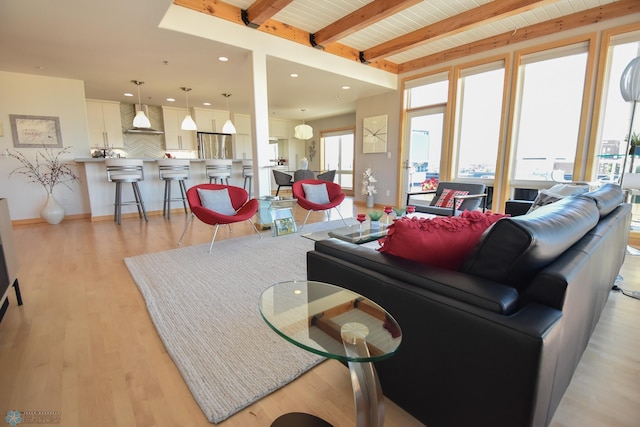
x=105, y=124
x=242, y=146
x=210, y=120
x=278, y=129
x=174, y=136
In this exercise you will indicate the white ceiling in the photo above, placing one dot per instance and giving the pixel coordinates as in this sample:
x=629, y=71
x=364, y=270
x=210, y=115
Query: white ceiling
x=109, y=43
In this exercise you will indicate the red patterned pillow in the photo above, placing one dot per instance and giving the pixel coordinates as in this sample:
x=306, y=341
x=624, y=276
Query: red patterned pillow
x=441, y=241
x=446, y=198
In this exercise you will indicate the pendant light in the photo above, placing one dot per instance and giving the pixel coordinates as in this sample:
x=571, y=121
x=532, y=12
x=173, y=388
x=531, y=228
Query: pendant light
x=188, y=123
x=228, y=126
x=303, y=131
x=140, y=120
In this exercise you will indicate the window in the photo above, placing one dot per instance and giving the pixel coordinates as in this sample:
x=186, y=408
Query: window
x=480, y=92
x=431, y=90
x=338, y=149
x=426, y=100
x=616, y=113
x=551, y=87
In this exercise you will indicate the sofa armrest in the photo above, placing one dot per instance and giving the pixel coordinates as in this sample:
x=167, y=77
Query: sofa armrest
x=517, y=207
x=470, y=196
x=463, y=287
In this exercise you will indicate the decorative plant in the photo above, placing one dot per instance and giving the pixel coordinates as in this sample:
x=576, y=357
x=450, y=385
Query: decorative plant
x=429, y=184
x=47, y=170
x=635, y=139
x=398, y=211
x=312, y=150
x=375, y=215
x=367, y=183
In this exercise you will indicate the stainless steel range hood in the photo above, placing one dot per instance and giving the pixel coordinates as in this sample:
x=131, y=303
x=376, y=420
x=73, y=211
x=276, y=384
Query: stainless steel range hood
x=147, y=131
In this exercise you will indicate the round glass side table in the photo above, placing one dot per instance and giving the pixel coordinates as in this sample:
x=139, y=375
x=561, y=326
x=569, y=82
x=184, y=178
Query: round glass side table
x=338, y=324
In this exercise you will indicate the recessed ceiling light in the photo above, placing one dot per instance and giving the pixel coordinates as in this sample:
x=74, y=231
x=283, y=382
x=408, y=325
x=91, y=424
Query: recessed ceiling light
x=128, y=94
x=206, y=103
x=223, y=58
x=171, y=99
x=294, y=75
x=346, y=87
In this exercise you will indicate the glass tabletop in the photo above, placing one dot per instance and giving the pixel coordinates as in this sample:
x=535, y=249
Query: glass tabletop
x=330, y=321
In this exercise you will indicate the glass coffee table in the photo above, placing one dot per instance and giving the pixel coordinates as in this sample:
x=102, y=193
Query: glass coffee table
x=351, y=234
x=339, y=324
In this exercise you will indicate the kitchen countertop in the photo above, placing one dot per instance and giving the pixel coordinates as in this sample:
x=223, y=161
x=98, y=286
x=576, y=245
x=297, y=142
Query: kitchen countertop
x=102, y=159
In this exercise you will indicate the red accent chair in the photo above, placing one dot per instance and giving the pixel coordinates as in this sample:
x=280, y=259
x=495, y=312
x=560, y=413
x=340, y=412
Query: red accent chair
x=245, y=209
x=334, y=191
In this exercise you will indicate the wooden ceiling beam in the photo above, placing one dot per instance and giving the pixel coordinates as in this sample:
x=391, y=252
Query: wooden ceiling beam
x=576, y=20
x=359, y=19
x=262, y=10
x=231, y=13
x=473, y=18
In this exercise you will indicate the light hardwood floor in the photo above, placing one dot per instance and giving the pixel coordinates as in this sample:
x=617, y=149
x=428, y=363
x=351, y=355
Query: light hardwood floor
x=83, y=344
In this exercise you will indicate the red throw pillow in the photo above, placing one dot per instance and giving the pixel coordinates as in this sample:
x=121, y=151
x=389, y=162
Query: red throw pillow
x=441, y=241
x=446, y=198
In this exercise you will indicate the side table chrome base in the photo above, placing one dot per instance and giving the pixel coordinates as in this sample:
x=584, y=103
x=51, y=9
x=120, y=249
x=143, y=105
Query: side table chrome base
x=367, y=391
x=298, y=419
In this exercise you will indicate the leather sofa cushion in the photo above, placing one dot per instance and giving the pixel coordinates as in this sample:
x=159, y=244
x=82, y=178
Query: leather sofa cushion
x=607, y=198
x=514, y=250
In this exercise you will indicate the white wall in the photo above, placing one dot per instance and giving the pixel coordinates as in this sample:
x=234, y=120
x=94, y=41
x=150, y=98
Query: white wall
x=28, y=94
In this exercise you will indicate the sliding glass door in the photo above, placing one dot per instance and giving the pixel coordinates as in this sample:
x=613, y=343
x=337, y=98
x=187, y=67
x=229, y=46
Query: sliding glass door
x=337, y=149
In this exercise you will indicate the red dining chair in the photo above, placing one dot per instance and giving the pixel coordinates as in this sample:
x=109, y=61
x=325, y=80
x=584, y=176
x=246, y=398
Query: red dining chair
x=312, y=196
x=211, y=204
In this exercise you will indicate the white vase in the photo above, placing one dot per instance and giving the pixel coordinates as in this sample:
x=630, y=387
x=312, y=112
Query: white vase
x=369, y=201
x=304, y=164
x=375, y=225
x=52, y=211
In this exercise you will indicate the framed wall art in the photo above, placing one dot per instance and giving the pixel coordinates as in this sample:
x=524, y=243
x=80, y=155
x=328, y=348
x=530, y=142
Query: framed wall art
x=35, y=131
x=374, y=134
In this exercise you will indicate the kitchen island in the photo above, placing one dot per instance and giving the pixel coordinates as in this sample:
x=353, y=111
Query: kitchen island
x=102, y=192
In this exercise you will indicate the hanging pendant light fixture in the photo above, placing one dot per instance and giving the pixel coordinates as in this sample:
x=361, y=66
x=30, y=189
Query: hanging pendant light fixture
x=228, y=126
x=188, y=123
x=630, y=90
x=303, y=131
x=140, y=120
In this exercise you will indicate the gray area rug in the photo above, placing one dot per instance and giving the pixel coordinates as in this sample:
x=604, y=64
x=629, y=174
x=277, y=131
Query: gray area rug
x=205, y=309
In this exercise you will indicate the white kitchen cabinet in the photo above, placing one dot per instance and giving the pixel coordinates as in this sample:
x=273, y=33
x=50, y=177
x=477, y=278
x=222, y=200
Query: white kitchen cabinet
x=105, y=124
x=174, y=136
x=278, y=129
x=209, y=120
x=242, y=146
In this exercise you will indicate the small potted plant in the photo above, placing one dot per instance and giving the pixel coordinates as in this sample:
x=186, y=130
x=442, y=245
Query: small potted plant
x=48, y=170
x=635, y=144
x=375, y=216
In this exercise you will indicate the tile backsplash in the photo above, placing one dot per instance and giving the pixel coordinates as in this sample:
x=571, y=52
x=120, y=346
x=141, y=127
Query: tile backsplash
x=140, y=145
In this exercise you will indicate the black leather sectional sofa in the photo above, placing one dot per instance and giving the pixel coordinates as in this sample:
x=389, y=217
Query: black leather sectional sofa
x=496, y=343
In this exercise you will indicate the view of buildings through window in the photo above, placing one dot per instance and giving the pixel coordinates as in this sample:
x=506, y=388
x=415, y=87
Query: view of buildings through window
x=548, y=121
x=616, y=113
x=479, y=118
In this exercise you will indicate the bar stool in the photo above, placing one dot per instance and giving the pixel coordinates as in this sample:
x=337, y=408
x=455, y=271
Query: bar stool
x=126, y=170
x=218, y=169
x=247, y=174
x=173, y=170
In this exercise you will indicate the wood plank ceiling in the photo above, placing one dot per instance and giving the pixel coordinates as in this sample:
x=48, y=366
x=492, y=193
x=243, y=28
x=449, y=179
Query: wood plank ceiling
x=405, y=35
